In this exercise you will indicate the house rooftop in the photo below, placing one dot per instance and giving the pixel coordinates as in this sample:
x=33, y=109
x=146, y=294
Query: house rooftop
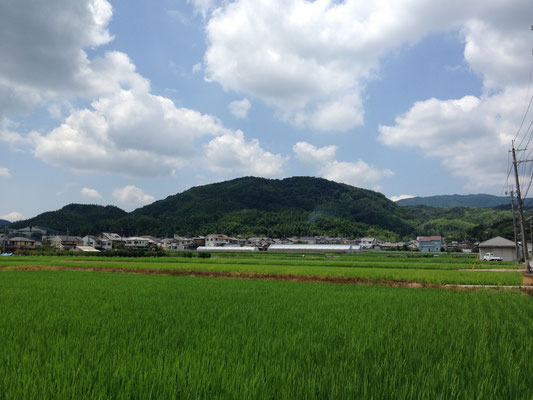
x=429, y=238
x=497, y=241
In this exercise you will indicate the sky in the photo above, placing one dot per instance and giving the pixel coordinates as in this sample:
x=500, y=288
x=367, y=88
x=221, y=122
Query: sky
x=127, y=102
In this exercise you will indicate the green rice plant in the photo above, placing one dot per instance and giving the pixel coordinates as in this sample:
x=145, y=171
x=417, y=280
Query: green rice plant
x=84, y=335
x=429, y=273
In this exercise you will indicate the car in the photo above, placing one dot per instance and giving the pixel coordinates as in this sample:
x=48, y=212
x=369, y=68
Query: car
x=491, y=257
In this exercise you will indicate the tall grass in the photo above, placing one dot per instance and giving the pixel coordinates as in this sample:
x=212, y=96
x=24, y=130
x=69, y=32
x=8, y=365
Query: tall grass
x=86, y=335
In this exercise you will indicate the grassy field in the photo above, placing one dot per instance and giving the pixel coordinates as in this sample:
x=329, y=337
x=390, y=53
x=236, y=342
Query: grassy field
x=445, y=269
x=75, y=334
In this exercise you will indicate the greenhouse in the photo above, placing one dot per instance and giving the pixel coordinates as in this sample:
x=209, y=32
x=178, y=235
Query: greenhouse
x=314, y=248
x=228, y=249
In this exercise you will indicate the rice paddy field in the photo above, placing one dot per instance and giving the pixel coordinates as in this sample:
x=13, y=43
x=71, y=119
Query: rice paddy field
x=445, y=269
x=70, y=332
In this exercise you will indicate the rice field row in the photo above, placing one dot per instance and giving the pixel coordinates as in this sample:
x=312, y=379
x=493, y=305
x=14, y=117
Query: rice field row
x=66, y=334
x=399, y=270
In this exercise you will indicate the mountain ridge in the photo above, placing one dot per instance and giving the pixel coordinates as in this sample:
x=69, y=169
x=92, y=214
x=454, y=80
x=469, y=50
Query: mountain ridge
x=297, y=206
x=459, y=200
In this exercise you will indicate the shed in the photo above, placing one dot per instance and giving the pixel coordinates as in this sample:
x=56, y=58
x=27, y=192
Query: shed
x=86, y=249
x=500, y=247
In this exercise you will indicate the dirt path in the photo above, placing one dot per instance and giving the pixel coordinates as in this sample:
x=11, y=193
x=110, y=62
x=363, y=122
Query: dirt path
x=526, y=288
x=493, y=270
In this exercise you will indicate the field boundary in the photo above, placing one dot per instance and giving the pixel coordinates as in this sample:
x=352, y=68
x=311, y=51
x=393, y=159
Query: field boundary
x=274, y=277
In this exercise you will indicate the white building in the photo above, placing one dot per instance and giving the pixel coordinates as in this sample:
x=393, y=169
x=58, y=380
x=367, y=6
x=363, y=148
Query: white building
x=314, y=248
x=216, y=240
x=369, y=242
x=135, y=242
x=500, y=247
x=232, y=249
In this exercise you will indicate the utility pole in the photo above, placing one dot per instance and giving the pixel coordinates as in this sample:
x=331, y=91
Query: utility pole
x=530, y=228
x=520, y=210
x=518, y=258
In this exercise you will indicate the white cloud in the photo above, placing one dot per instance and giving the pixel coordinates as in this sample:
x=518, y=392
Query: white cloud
x=202, y=7
x=91, y=193
x=470, y=135
x=178, y=16
x=13, y=216
x=132, y=195
x=310, y=60
x=313, y=60
x=124, y=133
x=41, y=61
x=239, y=108
x=309, y=154
x=357, y=173
x=197, y=68
x=126, y=129
x=401, y=197
x=4, y=173
x=231, y=153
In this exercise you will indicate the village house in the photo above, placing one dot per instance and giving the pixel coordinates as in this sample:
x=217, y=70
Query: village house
x=64, y=242
x=217, y=240
x=135, y=242
x=114, y=238
x=21, y=243
x=97, y=243
x=430, y=243
x=369, y=242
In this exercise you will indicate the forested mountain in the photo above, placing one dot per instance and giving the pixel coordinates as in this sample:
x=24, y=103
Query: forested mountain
x=459, y=200
x=4, y=222
x=294, y=206
x=77, y=219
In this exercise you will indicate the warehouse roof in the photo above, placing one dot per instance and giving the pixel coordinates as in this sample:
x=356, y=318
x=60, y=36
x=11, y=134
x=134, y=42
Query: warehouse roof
x=497, y=241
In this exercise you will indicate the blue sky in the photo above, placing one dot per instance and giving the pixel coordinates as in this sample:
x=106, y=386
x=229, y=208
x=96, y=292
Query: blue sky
x=127, y=102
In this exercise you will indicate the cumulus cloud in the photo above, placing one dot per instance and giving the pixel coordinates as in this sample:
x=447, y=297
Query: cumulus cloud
x=41, y=61
x=470, y=135
x=401, y=197
x=202, y=7
x=309, y=154
x=91, y=193
x=239, y=108
x=357, y=173
x=126, y=129
x=313, y=60
x=13, y=216
x=117, y=135
x=4, y=173
x=132, y=195
x=231, y=153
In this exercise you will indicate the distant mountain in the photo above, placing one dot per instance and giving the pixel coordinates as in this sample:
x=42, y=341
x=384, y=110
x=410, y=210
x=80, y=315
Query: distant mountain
x=4, y=222
x=291, y=206
x=298, y=206
x=458, y=200
x=77, y=219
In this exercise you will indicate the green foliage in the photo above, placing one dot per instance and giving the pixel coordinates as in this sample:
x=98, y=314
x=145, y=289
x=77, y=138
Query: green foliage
x=78, y=219
x=299, y=206
x=448, y=269
x=96, y=336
